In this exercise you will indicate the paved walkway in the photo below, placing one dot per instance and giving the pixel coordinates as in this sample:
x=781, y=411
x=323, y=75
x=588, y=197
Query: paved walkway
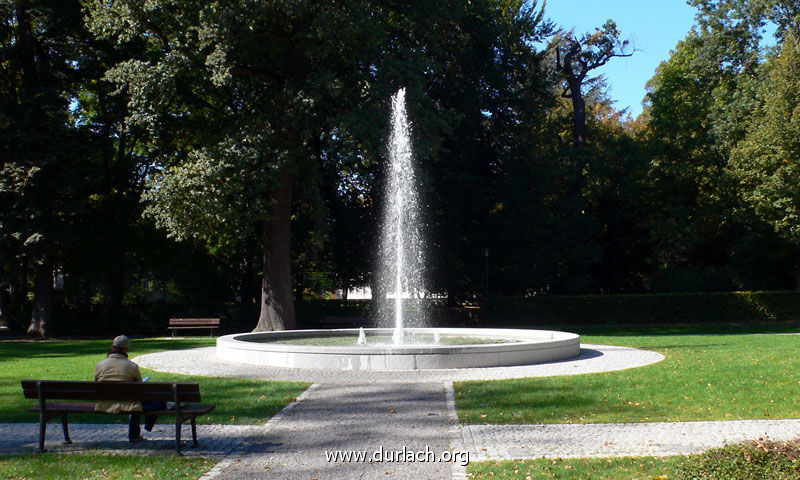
x=376, y=420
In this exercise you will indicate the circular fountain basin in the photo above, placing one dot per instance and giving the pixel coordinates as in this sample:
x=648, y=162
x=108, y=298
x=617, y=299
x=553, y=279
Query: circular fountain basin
x=481, y=348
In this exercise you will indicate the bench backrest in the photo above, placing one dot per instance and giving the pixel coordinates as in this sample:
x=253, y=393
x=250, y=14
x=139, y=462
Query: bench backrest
x=210, y=322
x=80, y=390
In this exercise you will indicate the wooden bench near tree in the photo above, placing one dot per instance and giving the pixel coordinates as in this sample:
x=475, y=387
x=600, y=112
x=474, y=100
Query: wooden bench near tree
x=176, y=324
x=82, y=397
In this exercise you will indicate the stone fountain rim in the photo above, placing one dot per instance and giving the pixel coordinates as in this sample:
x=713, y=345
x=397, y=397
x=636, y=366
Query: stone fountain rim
x=525, y=339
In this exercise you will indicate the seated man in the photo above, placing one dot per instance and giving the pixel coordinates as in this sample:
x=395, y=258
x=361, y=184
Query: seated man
x=117, y=368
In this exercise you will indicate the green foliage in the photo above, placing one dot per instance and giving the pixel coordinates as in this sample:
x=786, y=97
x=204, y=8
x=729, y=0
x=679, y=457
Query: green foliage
x=762, y=458
x=767, y=161
x=37, y=145
x=698, y=105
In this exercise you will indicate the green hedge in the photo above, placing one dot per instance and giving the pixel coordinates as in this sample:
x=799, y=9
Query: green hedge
x=729, y=308
x=761, y=459
x=643, y=309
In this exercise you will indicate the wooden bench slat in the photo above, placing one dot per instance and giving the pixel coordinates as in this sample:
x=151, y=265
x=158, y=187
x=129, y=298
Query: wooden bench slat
x=194, y=321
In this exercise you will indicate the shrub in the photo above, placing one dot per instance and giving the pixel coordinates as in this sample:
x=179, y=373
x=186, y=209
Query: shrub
x=644, y=309
x=761, y=459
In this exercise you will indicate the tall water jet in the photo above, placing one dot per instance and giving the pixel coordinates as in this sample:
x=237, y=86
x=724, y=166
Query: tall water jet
x=402, y=260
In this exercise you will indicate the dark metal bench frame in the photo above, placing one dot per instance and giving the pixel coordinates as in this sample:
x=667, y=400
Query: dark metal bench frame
x=177, y=392
x=189, y=323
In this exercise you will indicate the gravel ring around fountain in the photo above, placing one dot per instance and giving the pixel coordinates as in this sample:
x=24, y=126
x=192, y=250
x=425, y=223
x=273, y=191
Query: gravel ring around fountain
x=204, y=361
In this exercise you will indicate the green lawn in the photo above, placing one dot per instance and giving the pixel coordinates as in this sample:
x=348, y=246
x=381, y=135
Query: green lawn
x=238, y=401
x=704, y=377
x=47, y=466
x=628, y=468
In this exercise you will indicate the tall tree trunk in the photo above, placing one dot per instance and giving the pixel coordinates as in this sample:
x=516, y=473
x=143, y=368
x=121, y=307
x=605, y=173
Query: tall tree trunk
x=277, y=306
x=42, y=316
x=18, y=281
x=578, y=116
x=578, y=139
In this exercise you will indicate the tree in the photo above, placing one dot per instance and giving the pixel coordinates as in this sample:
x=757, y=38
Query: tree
x=698, y=108
x=686, y=164
x=234, y=123
x=618, y=199
x=41, y=182
x=767, y=160
x=488, y=93
x=576, y=58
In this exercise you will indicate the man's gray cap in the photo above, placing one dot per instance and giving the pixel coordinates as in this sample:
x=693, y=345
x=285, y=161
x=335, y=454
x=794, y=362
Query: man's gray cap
x=122, y=341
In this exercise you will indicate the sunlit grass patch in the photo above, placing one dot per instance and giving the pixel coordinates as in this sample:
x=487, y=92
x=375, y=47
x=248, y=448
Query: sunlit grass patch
x=704, y=377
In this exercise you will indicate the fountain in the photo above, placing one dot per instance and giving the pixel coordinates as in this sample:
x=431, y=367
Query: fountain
x=399, y=346
x=402, y=262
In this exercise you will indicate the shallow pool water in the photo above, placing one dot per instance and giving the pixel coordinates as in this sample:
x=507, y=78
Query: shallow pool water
x=373, y=340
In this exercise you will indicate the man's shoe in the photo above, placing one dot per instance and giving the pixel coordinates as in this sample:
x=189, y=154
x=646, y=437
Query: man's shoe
x=137, y=439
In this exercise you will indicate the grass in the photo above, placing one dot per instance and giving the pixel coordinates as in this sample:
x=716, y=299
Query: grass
x=239, y=401
x=626, y=468
x=87, y=466
x=704, y=377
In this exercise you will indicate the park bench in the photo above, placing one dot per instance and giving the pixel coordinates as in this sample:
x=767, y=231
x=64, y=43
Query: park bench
x=83, y=395
x=190, y=323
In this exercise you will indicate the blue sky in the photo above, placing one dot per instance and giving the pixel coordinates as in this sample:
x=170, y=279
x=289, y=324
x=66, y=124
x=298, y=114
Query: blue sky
x=653, y=26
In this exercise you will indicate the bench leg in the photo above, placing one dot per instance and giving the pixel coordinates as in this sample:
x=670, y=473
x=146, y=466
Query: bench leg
x=194, y=431
x=65, y=428
x=178, y=424
x=42, y=431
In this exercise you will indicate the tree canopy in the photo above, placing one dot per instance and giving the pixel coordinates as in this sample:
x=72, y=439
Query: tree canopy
x=226, y=157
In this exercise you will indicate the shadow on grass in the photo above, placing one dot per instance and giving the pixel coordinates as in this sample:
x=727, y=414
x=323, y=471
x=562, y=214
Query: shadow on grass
x=16, y=349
